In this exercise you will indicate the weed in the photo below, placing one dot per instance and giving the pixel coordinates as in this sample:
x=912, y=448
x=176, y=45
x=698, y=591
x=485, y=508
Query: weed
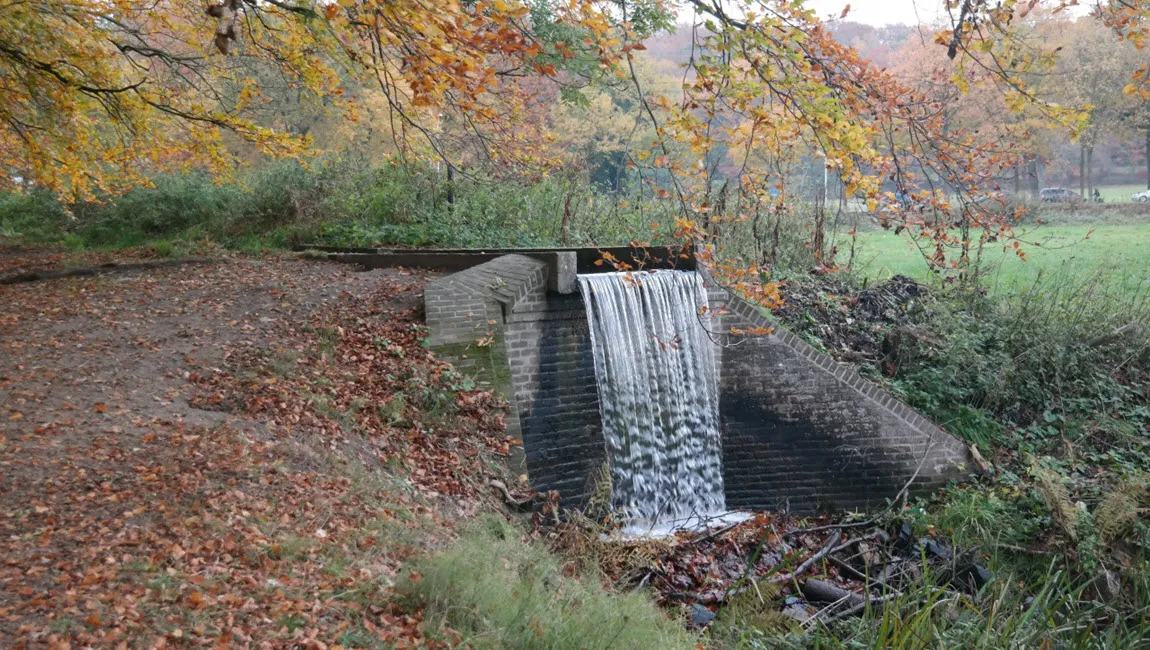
x=292, y=547
x=63, y=625
x=1057, y=613
x=162, y=248
x=291, y=623
x=328, y=338
x=284, y=363
x=360, y=637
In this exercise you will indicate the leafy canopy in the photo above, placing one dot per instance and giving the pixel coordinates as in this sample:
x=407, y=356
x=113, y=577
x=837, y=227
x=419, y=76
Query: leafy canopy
x=95, y=93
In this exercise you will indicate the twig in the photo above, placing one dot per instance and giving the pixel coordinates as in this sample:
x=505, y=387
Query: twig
x=851, y=611
x=787, y=577
x=715, y=533
x=859, y=575
x=507, y=498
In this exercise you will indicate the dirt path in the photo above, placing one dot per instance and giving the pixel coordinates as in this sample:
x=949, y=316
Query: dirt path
x=130, y=516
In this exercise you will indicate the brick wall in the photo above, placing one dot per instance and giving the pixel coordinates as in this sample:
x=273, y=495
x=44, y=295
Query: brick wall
x=800, y=431
x=539, y=358
x=466, y=314
x=806, y=433
x=558, y=399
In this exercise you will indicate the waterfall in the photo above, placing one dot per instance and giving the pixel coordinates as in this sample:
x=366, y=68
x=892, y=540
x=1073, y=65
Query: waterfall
x=658, y=396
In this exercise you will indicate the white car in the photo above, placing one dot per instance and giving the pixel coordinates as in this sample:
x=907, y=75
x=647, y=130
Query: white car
x=1141, y=197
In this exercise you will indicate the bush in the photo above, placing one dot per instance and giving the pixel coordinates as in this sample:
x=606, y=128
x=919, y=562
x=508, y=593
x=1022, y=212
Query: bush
x=34, y=216
x=337, y=201
x=500, y=592
x=175, y=204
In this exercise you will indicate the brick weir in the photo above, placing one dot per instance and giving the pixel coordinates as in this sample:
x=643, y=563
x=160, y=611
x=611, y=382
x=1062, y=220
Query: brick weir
x=799, y=430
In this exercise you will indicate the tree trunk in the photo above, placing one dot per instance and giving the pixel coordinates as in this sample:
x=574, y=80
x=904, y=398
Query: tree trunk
x=1090, y=170
x=450, y=187
x=1017, y=179
x=1148, y=156
x=819, y=231
x=1032, y=174
x=563, y=225
x=1082, y=170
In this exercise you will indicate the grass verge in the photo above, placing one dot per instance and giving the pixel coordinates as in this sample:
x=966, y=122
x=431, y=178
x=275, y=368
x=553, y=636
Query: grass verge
x=492, y=590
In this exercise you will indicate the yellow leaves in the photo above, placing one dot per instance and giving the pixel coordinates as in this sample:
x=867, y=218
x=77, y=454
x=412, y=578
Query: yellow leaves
x=959, y=80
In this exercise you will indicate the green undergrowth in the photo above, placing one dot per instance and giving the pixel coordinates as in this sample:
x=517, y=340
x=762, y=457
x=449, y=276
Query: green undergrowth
x=1052, y=385
x=1009, y=613
x=491, y=589
x=335, y=201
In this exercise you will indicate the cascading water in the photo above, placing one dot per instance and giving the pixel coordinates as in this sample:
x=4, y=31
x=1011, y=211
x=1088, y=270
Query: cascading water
x=658, y=396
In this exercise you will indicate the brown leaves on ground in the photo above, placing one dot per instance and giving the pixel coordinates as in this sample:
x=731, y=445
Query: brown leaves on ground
x=131, y=518
x=354, y=370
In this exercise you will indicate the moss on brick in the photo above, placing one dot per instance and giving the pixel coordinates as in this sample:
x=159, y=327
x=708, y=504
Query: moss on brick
x=487, y=364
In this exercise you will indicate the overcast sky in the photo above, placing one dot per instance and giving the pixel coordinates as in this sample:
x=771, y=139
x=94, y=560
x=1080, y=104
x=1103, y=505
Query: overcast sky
x=885, y=12
x=882, y=12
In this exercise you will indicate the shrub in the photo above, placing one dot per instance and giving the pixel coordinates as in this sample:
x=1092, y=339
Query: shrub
x=33, y=216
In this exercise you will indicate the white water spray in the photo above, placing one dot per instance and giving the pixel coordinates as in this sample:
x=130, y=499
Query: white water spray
x=658, y=396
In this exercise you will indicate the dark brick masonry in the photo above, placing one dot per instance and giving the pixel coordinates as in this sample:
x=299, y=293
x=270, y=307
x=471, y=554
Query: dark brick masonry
x=539, y=357
x=803, y=432
x=800, y=431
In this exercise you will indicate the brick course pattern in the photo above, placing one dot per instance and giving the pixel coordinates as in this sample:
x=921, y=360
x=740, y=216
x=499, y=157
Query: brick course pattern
x=539, y=358
x=805, y=433
x=800, y=431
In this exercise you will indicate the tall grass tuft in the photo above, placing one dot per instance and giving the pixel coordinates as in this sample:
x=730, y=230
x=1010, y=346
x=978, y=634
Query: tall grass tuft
x=497, y=591
x=1006, y=614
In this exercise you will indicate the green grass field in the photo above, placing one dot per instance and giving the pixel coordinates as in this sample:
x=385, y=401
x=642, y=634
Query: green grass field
x=1119, y=193
x=1118, y=254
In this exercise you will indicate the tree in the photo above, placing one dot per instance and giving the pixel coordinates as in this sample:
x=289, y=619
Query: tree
x=1091, y=71
x=94, y=92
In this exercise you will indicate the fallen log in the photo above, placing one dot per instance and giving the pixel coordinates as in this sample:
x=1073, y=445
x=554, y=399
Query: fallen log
x=824, y=592
x=821, y=591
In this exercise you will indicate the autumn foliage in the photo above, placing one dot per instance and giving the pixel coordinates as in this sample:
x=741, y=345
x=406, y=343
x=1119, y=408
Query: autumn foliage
x=98, y=95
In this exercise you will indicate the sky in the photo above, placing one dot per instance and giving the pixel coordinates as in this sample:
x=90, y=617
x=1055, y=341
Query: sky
x=885, y=12
x=882, y=12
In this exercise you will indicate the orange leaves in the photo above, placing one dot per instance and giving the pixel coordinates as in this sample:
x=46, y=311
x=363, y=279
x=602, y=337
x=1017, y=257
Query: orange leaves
x=160, y=77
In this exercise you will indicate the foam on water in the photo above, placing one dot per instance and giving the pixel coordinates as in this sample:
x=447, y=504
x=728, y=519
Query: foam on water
x=658, y=397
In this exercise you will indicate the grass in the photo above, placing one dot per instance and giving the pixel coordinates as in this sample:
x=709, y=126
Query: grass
x=1057, y=614
x=493, y=590
x=1120, y=252
x=1120, y=193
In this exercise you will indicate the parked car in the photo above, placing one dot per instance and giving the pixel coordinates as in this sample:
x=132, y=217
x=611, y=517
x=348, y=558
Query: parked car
x=1141, y=197
x=1059, y=195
